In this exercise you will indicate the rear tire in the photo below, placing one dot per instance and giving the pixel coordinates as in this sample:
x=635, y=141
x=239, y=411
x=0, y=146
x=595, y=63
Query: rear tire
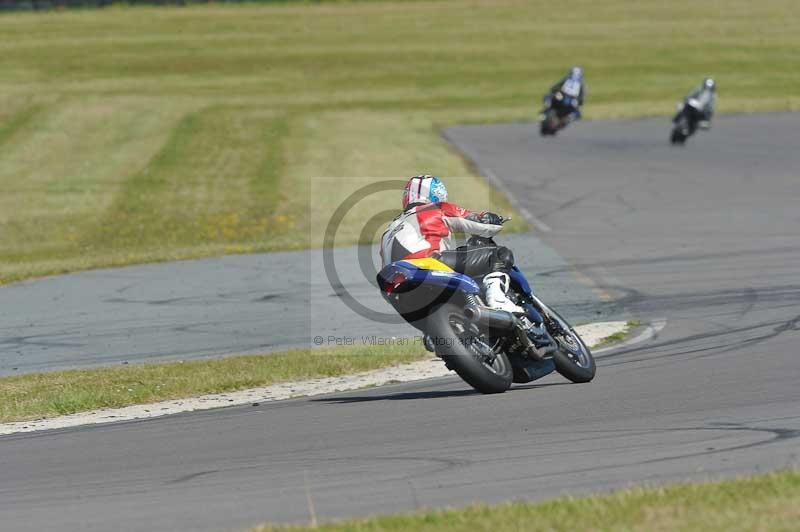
x=463, y=351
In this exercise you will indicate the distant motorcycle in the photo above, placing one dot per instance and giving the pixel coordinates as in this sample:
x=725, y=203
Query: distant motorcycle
x=685, y=122
x=559, y=110
x=488, y=348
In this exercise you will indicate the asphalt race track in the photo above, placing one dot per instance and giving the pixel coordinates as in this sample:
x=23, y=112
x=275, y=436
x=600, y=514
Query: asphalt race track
x=705, y=237
x=221, y=306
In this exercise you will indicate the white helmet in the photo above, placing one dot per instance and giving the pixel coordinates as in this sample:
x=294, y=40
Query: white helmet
x=424, y=189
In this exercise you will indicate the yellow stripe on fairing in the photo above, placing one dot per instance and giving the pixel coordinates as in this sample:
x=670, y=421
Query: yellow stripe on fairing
x=429, y=263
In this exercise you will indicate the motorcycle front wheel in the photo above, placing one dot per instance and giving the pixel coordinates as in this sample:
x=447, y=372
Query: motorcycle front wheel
x=573, y=359
x=681, y=131
x=677, y=137
x=548, y=124
x=468, y=352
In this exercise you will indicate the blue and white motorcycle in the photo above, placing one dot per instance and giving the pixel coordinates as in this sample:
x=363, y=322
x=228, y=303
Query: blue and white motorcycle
x=560, y=109
x=487, y=348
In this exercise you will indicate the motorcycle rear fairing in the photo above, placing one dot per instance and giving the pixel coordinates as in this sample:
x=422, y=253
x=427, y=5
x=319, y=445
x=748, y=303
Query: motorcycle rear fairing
x=428, y=271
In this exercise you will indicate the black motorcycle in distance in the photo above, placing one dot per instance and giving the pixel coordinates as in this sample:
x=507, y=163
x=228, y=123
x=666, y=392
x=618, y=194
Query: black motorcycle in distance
x=558, y=112
x=686, y=121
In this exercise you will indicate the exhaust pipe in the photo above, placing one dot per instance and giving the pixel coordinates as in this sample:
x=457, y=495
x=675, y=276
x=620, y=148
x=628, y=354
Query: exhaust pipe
x=500, y=320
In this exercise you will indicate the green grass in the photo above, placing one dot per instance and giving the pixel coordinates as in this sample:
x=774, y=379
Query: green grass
x=145, y=134
x=41, y=395
x=766, y=502
x=621, y=335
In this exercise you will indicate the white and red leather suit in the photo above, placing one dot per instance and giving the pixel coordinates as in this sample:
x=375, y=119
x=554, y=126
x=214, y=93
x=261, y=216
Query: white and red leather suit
x=426, y=229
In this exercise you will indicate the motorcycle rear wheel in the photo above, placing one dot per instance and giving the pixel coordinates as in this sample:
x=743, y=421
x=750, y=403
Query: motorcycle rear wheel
x=467, y=352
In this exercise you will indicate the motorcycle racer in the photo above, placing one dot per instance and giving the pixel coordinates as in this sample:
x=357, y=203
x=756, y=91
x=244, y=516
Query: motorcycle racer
x=573, y=90
x=426, y=226
x=702, y=101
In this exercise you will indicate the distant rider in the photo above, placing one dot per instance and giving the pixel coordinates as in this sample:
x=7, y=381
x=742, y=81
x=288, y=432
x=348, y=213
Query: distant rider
x=573, y=90
x=702, y=101
x=426, y=226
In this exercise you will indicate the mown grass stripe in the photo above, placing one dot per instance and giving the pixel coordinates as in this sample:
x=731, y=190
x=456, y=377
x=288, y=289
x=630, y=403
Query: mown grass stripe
x=215, y=179
x=18, y=122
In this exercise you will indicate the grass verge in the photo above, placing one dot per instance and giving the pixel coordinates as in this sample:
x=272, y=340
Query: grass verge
x=765, y=502
x=49, y=394
x=41, y=395
x=138, y=135
x=621, y=335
